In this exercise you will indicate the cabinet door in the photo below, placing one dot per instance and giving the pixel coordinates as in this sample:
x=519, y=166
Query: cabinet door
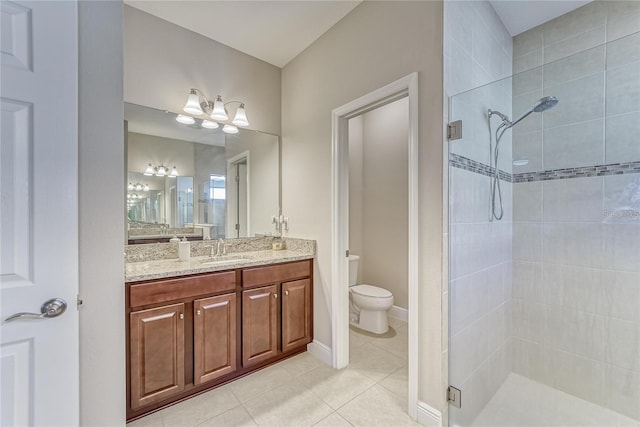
x=259, y=325
x=157, y=354
x=214, y=337
x=296, y=314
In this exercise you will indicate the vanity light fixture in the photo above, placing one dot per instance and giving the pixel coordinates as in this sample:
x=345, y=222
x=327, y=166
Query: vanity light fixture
x=198, y=104
x=193, y=104
x=150, y=170
x=160, y=170
x=208, y=124
x=185, y=120
x=229, y=129
x=137, y=187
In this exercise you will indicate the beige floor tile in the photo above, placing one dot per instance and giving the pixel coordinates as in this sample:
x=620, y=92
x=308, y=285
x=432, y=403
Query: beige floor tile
x=300, y=364
x=334, y=420
x=260, y=382
x=357, y=338
x=236, y=417
x=374, y=362
x=397, y=344
x=336, y=387
x=396, y=323
x=200, y=408
x=151, y=420
x=397, y=382
x=377, y=407
x=288, y=405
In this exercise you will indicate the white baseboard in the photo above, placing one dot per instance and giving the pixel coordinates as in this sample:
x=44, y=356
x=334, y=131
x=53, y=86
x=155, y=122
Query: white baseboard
x=320, y=351
x=428, y=416
x=398, y=313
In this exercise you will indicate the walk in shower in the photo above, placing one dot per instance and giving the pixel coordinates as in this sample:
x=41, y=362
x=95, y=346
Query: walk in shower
x=544, y=293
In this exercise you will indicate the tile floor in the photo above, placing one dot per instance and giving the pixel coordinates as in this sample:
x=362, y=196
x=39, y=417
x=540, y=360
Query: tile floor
x=524, y=402
x=302, y=391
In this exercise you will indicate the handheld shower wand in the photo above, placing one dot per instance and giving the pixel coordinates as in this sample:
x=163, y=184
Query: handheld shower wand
x=543, y=104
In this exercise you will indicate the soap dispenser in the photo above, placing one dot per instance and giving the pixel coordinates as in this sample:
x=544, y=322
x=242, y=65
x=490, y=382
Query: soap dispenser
x=184, y=249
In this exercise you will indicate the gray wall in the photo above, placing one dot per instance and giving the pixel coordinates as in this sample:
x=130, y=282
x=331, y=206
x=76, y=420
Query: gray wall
x=378, y=197
x=162, y=61
x=101, y=206
x=375, y=44
x=576, y=256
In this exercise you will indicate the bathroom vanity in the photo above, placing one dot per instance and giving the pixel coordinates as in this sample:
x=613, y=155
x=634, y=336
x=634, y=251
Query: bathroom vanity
x=198, y=324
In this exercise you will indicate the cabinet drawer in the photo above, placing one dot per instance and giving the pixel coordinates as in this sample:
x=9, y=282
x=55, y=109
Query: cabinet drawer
x=252, y=277
x=175, y=289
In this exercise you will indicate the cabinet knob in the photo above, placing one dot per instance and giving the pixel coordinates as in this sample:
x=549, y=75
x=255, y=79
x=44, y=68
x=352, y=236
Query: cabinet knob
x=198, y=312
x=286, y=292
x=181, y=316
x=275, y=295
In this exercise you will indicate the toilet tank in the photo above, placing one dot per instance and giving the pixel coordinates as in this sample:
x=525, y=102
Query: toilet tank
x=353, y=269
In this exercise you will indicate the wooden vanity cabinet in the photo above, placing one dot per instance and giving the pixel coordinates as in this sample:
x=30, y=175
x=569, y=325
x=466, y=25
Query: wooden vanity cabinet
x=214, y=337
x=192, y=333
x=157, y=354
x=296, y=314
x=259, y=325
x=182, y=333
x=276, y=318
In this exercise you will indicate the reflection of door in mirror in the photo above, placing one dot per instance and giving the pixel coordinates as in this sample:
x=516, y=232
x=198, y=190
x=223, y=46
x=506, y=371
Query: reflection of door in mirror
x=238, y=196
x=173, y=206
x=212, y=209
x=185, y=201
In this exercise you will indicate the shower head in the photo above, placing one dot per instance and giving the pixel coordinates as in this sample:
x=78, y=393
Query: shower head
x=543, y=104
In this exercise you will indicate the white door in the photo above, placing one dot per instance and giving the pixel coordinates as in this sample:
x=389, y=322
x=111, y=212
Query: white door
x=39, y=212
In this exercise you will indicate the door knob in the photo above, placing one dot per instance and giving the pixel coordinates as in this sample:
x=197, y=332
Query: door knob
x=51, y=308
x=286, y=293
x=275, y=295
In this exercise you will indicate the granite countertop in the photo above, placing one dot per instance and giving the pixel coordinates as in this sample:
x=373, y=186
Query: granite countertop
x=164, y=268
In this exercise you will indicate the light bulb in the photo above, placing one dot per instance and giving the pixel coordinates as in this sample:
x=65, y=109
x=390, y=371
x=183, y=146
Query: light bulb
x=229, y=129
x=161, y=171
x=185, y=120
x=193, y=104
x=219, y=112
x=149, y=170
x=130, y=187
x=174, y=172
x=241, y=117
x=146, y=187
x=208, y=124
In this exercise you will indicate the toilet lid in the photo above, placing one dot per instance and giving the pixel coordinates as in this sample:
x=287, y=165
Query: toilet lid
x=371, y=291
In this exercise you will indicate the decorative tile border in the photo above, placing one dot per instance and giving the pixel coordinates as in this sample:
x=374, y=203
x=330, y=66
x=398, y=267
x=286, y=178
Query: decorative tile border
x=582, y=172
x=465, y=163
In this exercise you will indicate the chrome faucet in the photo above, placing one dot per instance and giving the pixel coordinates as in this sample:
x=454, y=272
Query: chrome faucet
x=221, y=248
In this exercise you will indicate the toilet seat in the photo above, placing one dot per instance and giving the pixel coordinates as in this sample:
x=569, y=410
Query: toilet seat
x=370, y=291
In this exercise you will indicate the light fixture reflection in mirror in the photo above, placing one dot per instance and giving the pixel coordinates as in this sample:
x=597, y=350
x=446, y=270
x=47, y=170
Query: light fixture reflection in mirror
x=205, y=197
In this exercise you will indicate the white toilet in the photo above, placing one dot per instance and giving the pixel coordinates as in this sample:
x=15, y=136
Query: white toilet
x=368, y=305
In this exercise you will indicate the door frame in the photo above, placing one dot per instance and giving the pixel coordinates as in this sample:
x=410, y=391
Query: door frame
x=405, y=87
x=233, y=161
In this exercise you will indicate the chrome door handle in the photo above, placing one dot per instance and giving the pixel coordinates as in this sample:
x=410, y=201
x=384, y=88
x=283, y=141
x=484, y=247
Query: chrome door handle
x=51, y=308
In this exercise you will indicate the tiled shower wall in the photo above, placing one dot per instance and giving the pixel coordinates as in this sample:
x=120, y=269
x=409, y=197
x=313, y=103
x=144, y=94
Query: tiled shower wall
x=477, y=51
x=576, y=241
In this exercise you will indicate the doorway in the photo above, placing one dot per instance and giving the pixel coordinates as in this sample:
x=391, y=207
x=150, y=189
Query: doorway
x=238, y=188
x=406, y=87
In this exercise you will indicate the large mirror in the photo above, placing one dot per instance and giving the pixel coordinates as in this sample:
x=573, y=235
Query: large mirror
x=189, y=181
